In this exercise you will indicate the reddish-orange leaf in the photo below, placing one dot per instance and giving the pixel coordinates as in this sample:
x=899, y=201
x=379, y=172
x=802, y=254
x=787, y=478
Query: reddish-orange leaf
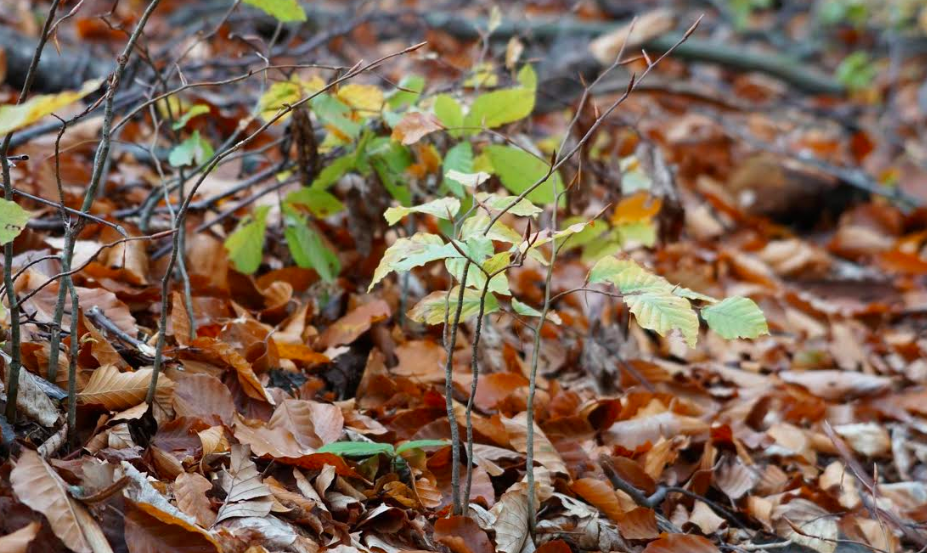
x=600, y=495
x=349, y=328
x=681, y=543
x=638, y=524
x=462, y=535
x=555, y=546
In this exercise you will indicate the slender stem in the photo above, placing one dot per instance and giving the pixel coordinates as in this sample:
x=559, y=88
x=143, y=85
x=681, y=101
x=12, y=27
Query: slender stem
x=15, y=338
x=475, y=372
x=449, y=395
x=535, y=356
x=72, y=363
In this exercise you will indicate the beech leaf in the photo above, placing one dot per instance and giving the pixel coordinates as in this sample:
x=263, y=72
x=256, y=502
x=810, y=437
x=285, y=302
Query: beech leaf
x=37, y=485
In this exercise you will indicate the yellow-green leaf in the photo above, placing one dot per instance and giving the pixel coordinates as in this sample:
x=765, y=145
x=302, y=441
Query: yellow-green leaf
x=13, y=117
x=443, y=208
x=284, y=10
x=500, y=107
x=662, y=311
x=408, y=253
x=736, y=317
x=431, y=309
x=13, y=220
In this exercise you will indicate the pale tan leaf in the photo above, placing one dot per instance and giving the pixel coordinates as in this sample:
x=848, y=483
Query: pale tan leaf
x=214, y=440
x=544, y=451
x=247, y=494
x=19, y=541
x=735, y=479
x=190, y=492
x=37, y=485
x=511, y=512
x=706, y=519
x=34, y=402
x=116, y=390
x=807, y=524
x=836, y=384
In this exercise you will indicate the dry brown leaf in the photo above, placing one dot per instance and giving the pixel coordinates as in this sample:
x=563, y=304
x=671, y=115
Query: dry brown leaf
x=150, y=530
x=116, y=390
x=190, y=491
x=265, y=440
x=414, y=125
x=38, y=485
x=203, y=395
x=544, y=451
x=247, y=495
x=18, y=541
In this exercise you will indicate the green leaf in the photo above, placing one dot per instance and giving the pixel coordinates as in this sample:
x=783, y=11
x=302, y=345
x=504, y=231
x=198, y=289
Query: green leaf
x=524, y=309
x=320, y=202
x=198, y=109
x=357, y=449
x=661, y=312
x=13, y=220
x=334, y=171
x=500, y=107
x=640, y=232
x=13, y=117
x=193, y=149
x=518, y=170
x=856, y=71
x=336, y=113
x=413, y=85
x=736, y=317
x=420, y=444
x=449, y=112
x=458, y=159
x=408, y=253
x=307, y=249
x=246, y=244
x=430, y=310
x=284, y=10
x=442, y=208
x=591, y=233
